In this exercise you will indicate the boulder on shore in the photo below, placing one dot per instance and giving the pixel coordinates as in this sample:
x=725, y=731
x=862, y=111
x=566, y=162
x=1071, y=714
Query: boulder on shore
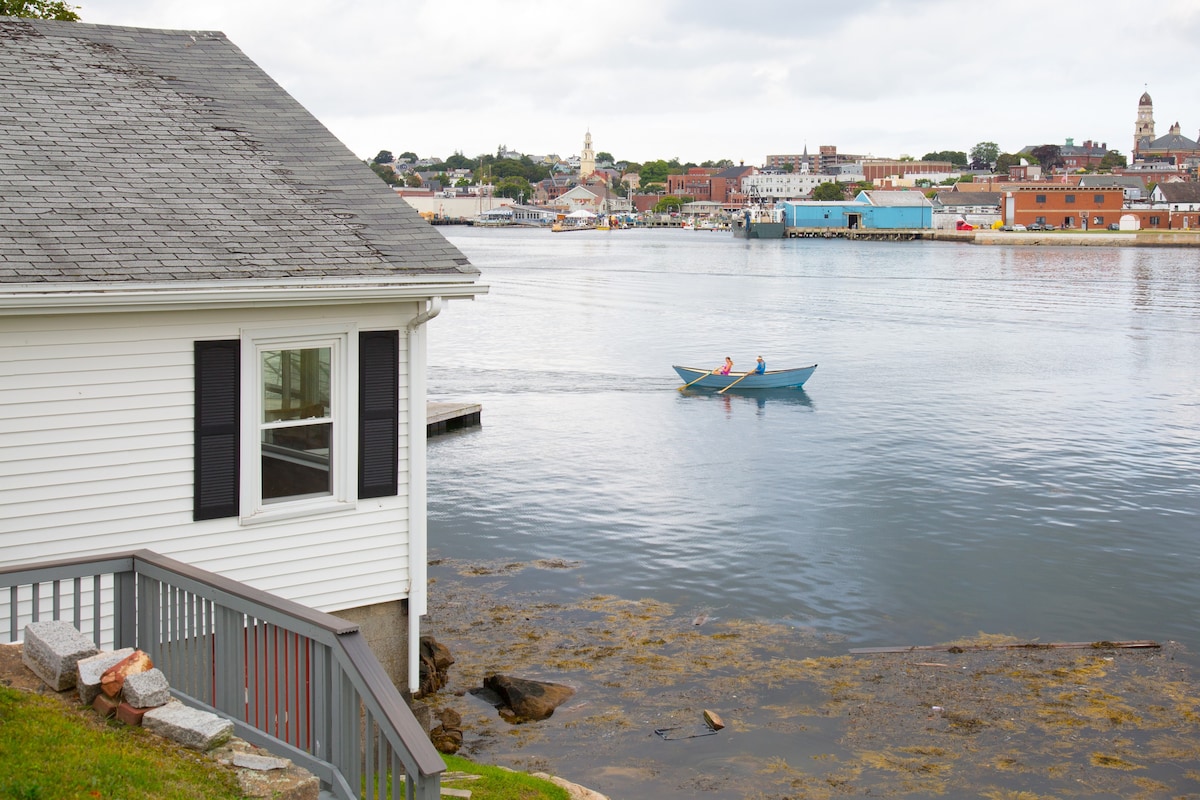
x=448, y=736
x=527, y=700
x=435, y=665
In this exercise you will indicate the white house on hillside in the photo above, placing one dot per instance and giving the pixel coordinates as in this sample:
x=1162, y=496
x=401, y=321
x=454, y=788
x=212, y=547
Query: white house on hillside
x=212, y=327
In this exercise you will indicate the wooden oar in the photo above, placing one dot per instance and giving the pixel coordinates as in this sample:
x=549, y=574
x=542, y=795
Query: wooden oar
x=702, y=377
x=735, y=383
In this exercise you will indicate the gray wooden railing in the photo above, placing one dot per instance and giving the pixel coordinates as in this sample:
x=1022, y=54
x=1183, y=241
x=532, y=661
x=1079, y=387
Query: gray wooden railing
x=301, y=683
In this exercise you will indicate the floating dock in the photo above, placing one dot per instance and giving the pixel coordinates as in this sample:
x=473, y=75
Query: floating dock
x=442, y=417
x=876, y=234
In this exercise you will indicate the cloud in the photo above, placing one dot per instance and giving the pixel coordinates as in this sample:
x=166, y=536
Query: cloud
x=706, y=79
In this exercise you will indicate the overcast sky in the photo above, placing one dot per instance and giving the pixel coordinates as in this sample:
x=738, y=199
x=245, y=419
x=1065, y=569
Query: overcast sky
x=709, y=79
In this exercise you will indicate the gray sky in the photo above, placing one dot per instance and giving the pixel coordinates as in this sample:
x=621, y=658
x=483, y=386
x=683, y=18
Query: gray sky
x=701, y=79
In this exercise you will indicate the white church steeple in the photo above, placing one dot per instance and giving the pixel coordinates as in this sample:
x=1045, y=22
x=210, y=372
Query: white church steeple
x=587, y=159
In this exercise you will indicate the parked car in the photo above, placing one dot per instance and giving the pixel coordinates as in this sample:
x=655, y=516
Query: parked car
x=1041, y=226
x=1019, y=227
x=1113, y=226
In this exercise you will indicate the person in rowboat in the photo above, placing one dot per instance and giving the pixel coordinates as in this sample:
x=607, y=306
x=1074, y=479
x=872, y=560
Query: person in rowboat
x=760, y=367
x=725, y=368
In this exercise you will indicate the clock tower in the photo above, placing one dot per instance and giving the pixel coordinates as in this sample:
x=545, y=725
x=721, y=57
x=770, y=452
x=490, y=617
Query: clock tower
x=1143, y=130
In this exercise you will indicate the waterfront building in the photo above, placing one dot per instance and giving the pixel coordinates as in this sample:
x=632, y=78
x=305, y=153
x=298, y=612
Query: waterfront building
x=517, y=214
x=1182, y=201
x=214, y=336
x=980, y=209
x=576, y=198
x=869, y=210
x=1064, y=206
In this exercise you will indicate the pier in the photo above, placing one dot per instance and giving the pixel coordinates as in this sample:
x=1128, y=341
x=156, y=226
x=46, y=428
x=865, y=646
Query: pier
x=443, y=417
x=870, y=234
x=1150, y=237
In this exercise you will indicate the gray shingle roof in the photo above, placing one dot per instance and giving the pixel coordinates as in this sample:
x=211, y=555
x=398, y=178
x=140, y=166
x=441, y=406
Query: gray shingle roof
x=897, y=199
x=963, y=198
x=151, y=155
x=1172, y=141
x=1100, y=181
x=1180, y=192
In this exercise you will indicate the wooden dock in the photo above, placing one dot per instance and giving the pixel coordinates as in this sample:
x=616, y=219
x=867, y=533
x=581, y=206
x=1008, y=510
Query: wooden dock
x=871, y=234
x=441, y=417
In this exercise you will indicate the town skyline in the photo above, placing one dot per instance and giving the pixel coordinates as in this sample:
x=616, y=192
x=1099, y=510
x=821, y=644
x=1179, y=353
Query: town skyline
x=696, y=82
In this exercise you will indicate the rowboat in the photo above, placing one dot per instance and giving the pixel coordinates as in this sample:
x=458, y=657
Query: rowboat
x=771, y=379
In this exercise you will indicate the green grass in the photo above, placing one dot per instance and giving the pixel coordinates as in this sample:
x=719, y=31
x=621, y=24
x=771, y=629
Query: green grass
x=52, y=751
x=49, y=751
x=501, y=784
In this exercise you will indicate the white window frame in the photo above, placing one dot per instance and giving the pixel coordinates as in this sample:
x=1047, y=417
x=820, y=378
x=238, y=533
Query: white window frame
x=342, y=341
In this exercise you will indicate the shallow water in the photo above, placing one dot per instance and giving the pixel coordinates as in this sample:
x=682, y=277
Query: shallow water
x=996, y=439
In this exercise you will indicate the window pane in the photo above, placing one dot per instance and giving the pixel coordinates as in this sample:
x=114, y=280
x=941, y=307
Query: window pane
x=295, y=461
x=295, y=384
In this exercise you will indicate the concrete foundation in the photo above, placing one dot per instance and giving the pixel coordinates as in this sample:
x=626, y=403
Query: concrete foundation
x=385, y=626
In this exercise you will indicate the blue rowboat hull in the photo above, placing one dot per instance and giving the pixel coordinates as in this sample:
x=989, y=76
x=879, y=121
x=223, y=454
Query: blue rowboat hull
x=771, y=379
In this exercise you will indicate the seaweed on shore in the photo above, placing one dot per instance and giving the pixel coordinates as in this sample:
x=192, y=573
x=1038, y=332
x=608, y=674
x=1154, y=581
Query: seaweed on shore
x=988, y=720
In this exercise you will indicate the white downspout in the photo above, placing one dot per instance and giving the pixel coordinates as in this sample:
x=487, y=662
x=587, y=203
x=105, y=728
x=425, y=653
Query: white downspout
x=418, y=546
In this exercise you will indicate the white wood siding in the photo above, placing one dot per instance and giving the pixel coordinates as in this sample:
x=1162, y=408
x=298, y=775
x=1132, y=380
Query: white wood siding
x=97, y=456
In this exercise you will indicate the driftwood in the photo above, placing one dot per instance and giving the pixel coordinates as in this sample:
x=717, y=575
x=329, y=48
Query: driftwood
x=971, y=648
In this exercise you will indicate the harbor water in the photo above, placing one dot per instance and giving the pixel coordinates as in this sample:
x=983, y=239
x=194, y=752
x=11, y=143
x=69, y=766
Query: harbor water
x=996, y=439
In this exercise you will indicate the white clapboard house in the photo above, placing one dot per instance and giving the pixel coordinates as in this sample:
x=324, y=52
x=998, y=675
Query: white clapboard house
x=212, y=327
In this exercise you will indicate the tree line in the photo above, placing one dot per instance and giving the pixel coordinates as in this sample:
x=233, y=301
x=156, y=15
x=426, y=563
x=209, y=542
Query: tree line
x=515, y=177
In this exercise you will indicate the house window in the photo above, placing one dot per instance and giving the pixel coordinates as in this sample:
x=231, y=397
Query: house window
x=1041, y=198
x=295, y=430
x=295, y=422
x=1154, y=222
x=1069, y=198
x=1097, y=220
x=1098, y=199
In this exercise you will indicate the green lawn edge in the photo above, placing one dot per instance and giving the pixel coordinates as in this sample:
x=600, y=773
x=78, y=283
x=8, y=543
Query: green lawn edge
x=498, y=783
x=51, y=750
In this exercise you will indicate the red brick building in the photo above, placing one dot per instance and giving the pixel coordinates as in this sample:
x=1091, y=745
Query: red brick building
x=1065, y=206
x=718, y=186
x=1088, y=155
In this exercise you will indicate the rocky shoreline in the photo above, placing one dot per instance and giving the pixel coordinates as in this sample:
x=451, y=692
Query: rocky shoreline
x=804, y=717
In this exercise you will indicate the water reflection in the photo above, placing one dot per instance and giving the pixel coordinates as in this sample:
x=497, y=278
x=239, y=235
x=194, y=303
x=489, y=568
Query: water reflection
x=759, y=398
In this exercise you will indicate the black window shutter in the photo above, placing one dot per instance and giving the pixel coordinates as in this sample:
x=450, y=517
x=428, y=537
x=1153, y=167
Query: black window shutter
x=378, y=413
x=217, y=426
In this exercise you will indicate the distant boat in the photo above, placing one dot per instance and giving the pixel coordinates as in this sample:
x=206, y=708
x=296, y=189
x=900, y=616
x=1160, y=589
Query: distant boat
x=757, y=223
x=771, y=379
